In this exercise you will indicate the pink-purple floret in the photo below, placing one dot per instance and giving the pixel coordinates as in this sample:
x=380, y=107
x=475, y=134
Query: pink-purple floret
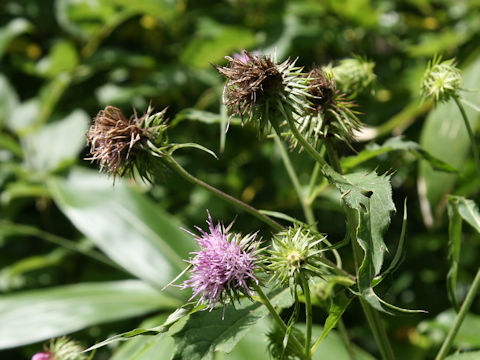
x=42, y=356
x=220, y=265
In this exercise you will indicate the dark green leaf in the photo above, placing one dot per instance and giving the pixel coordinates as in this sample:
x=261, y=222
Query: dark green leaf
x=37, y=315
x=205, y=332
x=126, y=225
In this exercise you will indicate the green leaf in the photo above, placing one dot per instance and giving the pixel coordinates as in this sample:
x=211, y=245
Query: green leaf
x=8, y=99
x=396, y=144
x=454, y=246
x=10, y=31
x=124, y=224
x=62, y=57
x=23, y=115
x=468, y=355
x=213, y=41
x=338, y=306
x=444, y=136
x=56, y=145
x=162, y=9
x=172, y=319
x=205, y=332
x=36, y=315
x=468, y=210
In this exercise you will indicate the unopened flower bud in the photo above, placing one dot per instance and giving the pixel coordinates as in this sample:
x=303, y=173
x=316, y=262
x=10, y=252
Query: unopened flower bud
x=352, y=75
x=442, y=80
x=295, y=251
x=121, y=145
x=61, y=349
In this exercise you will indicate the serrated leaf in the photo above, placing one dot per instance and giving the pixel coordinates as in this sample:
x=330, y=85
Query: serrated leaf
x=371, y=196
x=205, y=332
x=37, y=315
x=396, y=144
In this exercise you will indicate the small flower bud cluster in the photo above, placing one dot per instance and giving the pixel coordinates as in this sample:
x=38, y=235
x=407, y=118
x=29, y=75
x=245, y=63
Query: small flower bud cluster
x=353, y=75
x=442, y=80
x=61, y=349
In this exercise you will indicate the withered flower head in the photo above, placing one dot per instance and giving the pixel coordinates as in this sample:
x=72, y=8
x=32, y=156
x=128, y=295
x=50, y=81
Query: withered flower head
x=121, y=145
x=329, y=112
x=259, y=90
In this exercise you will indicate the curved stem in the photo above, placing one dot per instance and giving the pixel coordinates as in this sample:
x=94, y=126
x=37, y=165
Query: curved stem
x=278, y=319
x=230, y=199
x=460, y=317
x=470, y=133
x=308, y=316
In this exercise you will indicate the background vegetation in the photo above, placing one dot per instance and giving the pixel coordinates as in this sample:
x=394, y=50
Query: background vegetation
x=70, y=240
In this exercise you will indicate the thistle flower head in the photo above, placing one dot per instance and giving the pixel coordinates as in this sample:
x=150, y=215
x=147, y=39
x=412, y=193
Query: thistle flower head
x=224, y=266
x=294, y=252
x=352, y=75
x=442, y=80
x=329, y=113
x=120, y=144
x=259, y=90
x=61, y=349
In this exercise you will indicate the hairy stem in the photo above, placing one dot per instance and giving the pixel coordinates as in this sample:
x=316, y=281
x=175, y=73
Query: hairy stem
x=278, y=320
x=447, y=344
x=308, y=317
x=470, y=133
x=174, y=165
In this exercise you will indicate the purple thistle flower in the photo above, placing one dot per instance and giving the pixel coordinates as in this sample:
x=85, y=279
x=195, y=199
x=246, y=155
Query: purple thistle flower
x=224, y=266
x=42, y=356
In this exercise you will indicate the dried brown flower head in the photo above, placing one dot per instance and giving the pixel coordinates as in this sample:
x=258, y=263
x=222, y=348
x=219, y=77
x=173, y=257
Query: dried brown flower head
x=330, y=113
x=257, y=86
x=120, y=144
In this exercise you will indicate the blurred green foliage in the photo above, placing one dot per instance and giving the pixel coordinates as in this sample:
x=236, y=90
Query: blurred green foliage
x=63, y=60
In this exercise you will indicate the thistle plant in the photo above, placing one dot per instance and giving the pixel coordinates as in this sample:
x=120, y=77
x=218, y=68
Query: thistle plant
x=224, y=266
x=442, y=80
x=122, y=146
x=259, y=90
x=61, y=349
x=329, y=113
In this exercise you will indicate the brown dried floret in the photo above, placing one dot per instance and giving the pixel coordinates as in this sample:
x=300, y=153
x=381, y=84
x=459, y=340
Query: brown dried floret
x=119, y=144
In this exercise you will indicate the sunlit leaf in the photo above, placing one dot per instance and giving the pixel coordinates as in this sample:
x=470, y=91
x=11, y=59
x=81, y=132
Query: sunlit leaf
x=36, y=315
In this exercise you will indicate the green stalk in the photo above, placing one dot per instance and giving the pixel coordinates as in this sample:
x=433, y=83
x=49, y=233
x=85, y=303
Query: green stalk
x=278, y=320
x=373, y=318
x=470, y=133
x=308, y=317
x=174, y=165
x=346, y=339
x=447, y=344
x=307, y=210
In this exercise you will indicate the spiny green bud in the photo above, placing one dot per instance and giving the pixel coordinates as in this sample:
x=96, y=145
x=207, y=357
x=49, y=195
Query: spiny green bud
x=61, y=349
x=352, y=75
x=296, y=251
x=121, y=145
x=442, y=80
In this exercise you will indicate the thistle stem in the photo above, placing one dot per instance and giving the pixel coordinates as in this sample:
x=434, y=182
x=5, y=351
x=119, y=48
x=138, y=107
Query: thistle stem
x=346, y=339
x=308, y=317
x=278, y=320
x=447, y=344
x=373, y=318
x=174, y=165
x=470, y=132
